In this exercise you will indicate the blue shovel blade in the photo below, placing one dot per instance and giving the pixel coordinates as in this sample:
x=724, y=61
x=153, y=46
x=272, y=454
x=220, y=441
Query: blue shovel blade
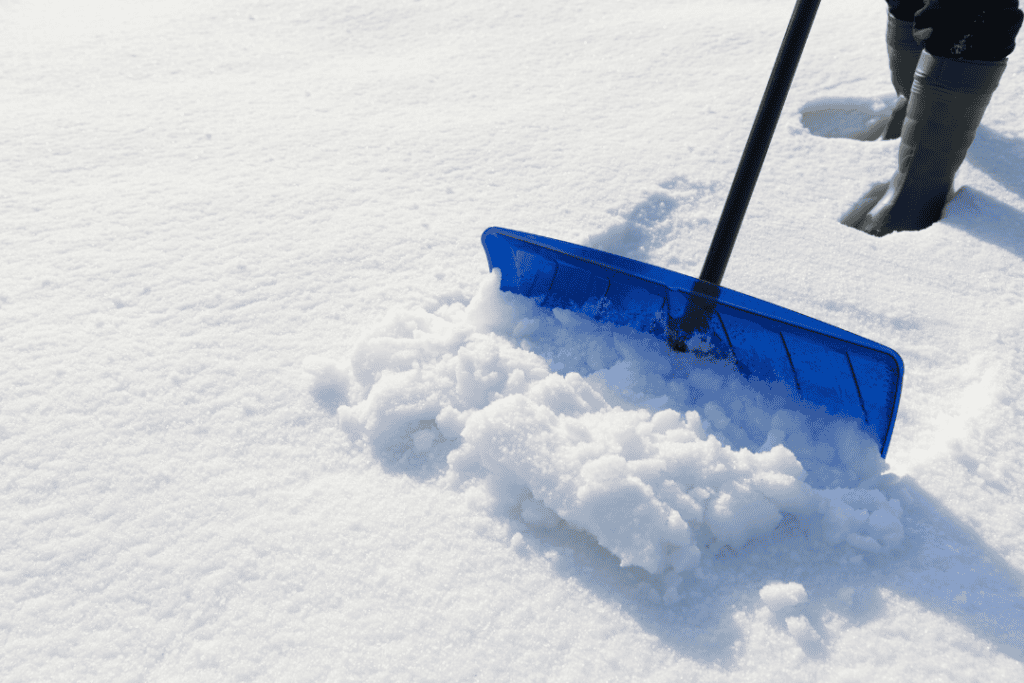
x=848, y=375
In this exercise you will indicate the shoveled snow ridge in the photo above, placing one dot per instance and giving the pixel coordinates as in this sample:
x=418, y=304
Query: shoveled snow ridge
x=662, y=457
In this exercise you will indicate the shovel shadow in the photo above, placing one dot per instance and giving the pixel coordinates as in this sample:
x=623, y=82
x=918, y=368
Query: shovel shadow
x=702, y=631
x=944, y=566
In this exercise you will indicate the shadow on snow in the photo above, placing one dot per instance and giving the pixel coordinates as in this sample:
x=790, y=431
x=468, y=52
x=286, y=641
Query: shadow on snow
x=854, y=118
x=1000, y=157
x=943, y=565
x=656, y=221
x=986, y=218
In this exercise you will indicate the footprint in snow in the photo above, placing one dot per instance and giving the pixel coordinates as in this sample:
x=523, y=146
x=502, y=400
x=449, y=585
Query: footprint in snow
x=855, y=118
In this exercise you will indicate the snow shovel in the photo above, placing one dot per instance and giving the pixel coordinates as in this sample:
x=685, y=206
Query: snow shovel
x=848, y=375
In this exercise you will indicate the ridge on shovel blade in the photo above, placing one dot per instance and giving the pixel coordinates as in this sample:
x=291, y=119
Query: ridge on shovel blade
x=849, y=375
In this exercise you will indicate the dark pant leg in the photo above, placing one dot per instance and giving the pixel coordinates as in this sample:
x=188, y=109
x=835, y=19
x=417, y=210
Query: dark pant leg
x=904, y=10
x=965, y=29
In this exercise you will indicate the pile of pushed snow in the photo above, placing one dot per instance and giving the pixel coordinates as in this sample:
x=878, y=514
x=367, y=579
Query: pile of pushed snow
x=661, y=456
x=781, y=596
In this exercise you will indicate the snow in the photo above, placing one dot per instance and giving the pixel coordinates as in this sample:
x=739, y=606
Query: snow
x=656, y=455
x=264, y=415
x=781, y=596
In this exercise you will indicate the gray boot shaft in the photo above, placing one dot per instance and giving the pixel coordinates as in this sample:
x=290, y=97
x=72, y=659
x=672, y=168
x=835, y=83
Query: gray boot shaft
x=947, y=102
x=904, y=53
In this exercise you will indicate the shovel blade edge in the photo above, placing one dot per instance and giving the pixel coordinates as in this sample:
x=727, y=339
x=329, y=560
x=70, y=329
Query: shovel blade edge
x=821, y=364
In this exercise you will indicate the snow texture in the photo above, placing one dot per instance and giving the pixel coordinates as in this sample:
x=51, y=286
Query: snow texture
x=781, y=596
x=661, y=457
x=264, y=416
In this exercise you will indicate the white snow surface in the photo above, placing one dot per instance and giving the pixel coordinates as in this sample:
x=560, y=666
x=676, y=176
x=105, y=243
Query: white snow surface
x=265, y=416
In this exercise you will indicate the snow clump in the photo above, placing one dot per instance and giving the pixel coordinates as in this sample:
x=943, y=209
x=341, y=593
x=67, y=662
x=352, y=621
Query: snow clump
x=780, y=596
x=554, y=418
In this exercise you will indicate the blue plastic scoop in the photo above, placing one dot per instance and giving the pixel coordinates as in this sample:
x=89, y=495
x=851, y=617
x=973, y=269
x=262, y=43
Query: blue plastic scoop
x=818, y=363
x=823, y=365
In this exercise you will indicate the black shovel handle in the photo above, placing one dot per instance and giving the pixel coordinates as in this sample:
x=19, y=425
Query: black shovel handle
x=760, y=138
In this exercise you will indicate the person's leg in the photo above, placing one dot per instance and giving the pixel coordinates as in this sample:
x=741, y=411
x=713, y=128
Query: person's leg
x=904, y=51
x=947, y=101
x=979, y=30
x=904, y=10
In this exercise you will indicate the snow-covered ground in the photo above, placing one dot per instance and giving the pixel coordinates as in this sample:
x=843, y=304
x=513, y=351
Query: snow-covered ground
x=265, y=416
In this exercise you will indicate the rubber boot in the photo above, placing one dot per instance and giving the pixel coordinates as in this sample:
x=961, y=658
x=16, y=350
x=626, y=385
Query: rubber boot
x=904, y=52
x=947, y=100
